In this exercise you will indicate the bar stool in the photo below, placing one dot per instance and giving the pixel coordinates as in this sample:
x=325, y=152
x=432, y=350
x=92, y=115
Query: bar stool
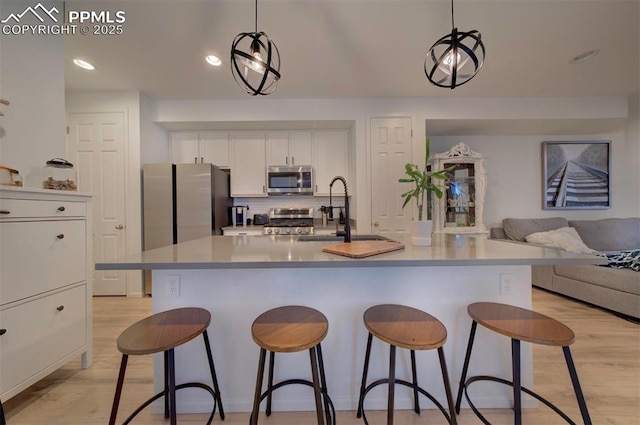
x=291, y=329
x=162, y=332
x=520, y=324
x=413, y=329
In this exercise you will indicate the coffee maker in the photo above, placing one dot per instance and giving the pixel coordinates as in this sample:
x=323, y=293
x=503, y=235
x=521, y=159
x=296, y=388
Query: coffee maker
x=239, y=215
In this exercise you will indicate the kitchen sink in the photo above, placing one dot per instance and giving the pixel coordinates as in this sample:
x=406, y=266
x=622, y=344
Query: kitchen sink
x=334, y=238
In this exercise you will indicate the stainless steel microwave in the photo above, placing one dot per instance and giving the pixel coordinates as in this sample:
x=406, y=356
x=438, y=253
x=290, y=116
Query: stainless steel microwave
x=296, y=179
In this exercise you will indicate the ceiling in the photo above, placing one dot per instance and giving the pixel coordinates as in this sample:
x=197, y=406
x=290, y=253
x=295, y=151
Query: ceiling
x=362, y=48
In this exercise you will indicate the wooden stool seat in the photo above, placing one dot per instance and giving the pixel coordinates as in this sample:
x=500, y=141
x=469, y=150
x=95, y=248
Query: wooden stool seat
x=163, y=331
x=405, y=327
x=289, y=329
x=521, y=324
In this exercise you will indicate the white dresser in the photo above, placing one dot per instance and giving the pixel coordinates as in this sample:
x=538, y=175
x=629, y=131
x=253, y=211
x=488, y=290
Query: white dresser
x=46, y=266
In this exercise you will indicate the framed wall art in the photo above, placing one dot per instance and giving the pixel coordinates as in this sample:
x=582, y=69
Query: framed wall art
x=575, y=175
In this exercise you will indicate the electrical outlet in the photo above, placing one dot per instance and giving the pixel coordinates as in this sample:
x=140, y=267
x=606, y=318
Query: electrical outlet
x=506, y=283
x=173, y=288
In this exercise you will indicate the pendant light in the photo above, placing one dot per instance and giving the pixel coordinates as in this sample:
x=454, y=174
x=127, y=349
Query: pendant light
x=255, y=61
x=455, y=58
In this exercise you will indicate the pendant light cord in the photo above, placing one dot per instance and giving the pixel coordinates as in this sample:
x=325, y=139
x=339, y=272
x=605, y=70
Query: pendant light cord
x=452, y=23
x=257, y=13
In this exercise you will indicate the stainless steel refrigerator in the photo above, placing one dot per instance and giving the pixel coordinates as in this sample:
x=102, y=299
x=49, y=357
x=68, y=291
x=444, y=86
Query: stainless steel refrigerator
x=182, y=202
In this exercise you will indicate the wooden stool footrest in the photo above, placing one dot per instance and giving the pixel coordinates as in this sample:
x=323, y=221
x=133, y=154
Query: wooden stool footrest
x=166, y=394
x=509, y=383
x=406, y=384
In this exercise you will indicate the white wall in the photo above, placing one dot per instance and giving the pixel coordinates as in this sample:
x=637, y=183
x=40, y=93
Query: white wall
x=502, y=149
x=154, y=140
x=32, y=79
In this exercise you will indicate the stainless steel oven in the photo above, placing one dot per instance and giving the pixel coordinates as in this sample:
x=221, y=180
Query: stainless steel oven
x=288, y=180
x=289, y=221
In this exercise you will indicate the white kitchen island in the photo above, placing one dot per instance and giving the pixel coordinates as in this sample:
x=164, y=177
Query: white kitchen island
x=239, y=277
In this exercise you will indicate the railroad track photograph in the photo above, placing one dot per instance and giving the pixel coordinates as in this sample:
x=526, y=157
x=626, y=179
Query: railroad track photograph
x=576, y=174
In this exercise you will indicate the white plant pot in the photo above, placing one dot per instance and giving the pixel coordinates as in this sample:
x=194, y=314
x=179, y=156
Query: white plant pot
x=421, y=232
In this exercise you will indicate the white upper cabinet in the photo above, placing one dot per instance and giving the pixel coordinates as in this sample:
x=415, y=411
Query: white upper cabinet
x=248, y=164
x=188, y=147
x=330, y=158
x=289, y=148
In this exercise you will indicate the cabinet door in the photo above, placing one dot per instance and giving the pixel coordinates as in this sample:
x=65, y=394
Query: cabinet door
x=184, y=147
x=248, y=165
x=330, y=159
x=300, y=148
x=214, y=148
x=278, y=148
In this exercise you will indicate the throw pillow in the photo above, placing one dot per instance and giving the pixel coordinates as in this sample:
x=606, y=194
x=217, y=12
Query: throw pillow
x=565, y=237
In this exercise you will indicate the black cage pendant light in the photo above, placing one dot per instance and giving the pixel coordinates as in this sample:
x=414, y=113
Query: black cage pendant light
x=455, y=58
x=255, y=61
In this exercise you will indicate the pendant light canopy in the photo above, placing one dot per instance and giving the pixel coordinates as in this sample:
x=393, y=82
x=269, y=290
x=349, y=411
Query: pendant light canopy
x=455, y=58
x=255, y=61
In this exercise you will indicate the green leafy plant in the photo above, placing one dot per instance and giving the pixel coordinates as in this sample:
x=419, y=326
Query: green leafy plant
x=422, y=181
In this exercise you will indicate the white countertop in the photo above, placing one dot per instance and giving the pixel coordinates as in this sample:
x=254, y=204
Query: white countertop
x=234, y=252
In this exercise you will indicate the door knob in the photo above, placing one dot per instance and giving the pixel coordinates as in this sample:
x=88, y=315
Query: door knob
x=119, y=227
x=376, y=224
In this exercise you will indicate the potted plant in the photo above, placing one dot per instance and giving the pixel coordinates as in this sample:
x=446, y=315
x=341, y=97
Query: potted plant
x=422, y=180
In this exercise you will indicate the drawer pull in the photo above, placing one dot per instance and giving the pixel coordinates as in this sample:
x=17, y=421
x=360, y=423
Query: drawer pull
x=61, y=209
x=60, y=308
x=5, y=212
x=60, y=236
x=3, y=331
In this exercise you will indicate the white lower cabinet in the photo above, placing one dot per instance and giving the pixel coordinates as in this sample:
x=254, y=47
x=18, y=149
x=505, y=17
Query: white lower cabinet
x=45, y=284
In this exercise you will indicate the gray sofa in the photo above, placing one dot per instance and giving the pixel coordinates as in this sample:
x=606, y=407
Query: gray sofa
x=614, y=289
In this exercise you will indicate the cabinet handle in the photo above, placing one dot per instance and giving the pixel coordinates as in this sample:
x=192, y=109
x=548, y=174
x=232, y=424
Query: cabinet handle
x=195, y=160
x=60, y=308
x=3, y=331
x=60, y=236
x=202, y=160
x=5, y=212
x=263, y=189
x=61, y=209
x=293, y=160
x=286, y=160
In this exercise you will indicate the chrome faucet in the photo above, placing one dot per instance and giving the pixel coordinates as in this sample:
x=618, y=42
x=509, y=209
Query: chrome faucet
x=347, y=227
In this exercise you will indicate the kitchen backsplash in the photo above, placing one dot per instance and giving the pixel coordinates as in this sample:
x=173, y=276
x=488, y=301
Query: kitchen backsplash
x=263, y=205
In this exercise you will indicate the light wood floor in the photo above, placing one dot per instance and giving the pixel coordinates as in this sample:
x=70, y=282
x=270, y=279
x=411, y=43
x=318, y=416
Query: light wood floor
x=606, y=352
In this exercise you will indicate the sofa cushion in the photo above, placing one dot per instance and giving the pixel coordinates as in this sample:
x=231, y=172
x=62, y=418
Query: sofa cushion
x=565, y=237
x=518, y=229
x=609, y=234
x=625, y=280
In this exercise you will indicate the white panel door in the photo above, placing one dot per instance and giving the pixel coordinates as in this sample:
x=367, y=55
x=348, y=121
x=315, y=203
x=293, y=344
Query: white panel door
x=390, y=151
x=95, y=145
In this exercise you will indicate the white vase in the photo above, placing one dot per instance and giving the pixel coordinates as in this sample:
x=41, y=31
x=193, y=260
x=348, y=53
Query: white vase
x=421, y=232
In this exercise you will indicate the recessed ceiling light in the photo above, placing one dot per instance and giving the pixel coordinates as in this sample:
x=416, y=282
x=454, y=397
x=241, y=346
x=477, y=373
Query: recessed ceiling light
x=583, y=57
x=83, y=64
x=213, y=60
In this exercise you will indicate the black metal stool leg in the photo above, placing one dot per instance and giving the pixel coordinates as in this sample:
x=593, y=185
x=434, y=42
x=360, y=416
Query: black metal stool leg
x=214, y=377
x=517, y=384
x=172, y=388
x=392, y=384
x=323, y=384
x=414, y=375
x=316, y=385
x=166, y=384
x=256, y=399
x=365, y=371
x=465, y=367
x=272, y=359
x=576, y=385
x=447, y=386
x=116, y=397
